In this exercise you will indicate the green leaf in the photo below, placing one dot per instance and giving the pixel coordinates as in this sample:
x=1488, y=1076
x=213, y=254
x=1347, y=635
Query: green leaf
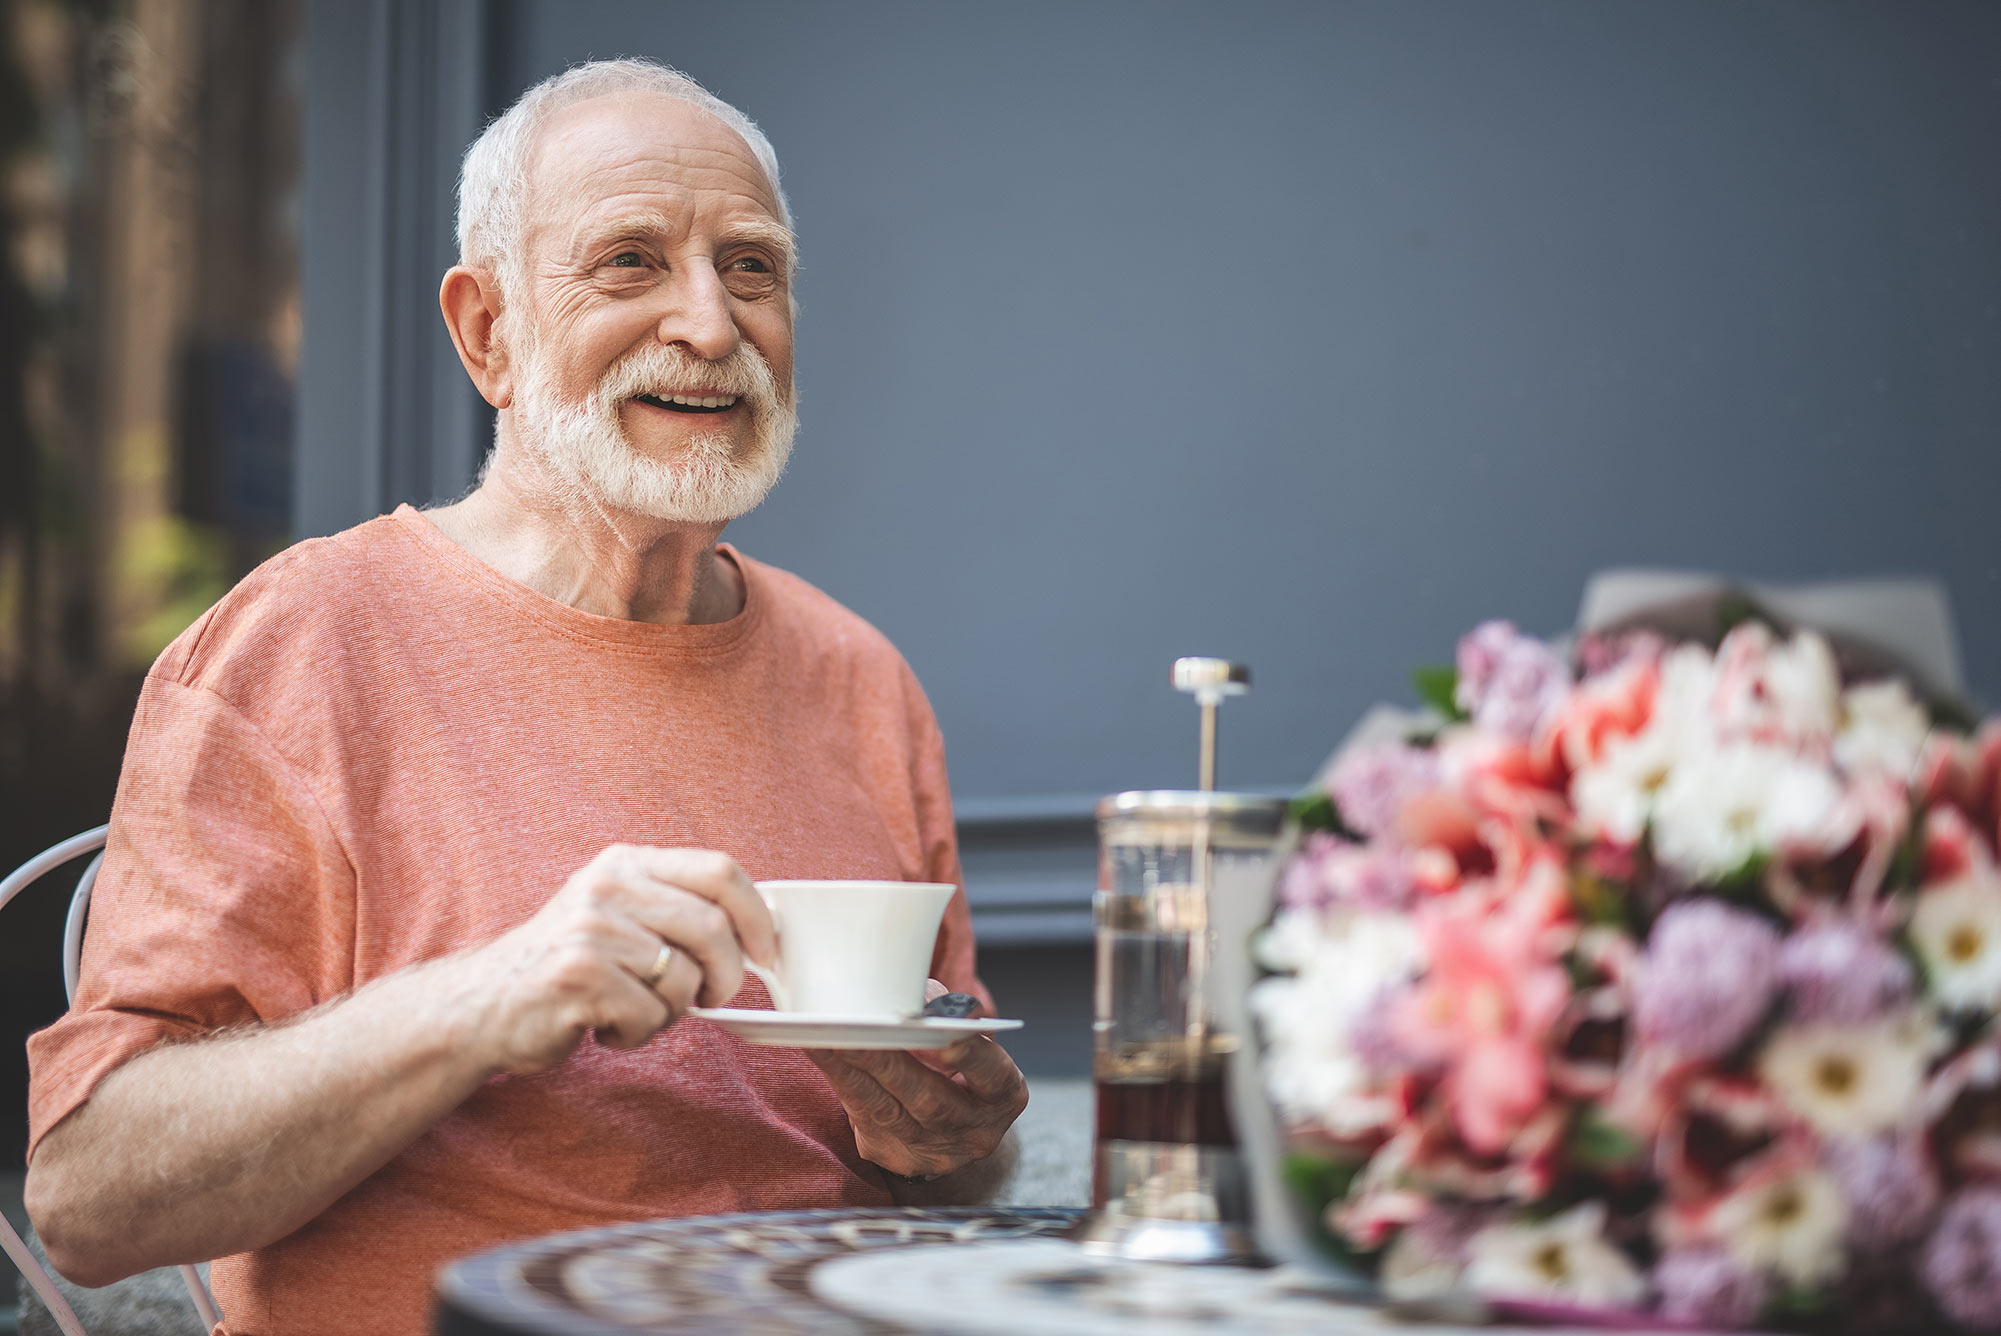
x=1747, y=875
x=1601, y=902
x=1733, y=611
x=1795, y=1305
x=1598, y=1144
x=1953, y=716
x=1581, y=973
x=1315, y=810
x=1319, y=1180
x=1908, y=861
x=1438, y=686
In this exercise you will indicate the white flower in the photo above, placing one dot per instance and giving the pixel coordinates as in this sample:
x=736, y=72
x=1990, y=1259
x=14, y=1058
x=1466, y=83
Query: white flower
x=1803, y=686
x=1688, y=686
x=1850, y=1080
x=1956, y=928
x=1615, y=797
x=1785, y=693
x=1721, y=805
x=1345, y=959
x=1791, y=1226
x=1293, y=938
x=1565, y=1259
x=1882, y=728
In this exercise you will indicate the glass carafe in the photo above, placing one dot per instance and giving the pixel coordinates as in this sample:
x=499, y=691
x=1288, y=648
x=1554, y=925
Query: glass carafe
x=1167, y=1182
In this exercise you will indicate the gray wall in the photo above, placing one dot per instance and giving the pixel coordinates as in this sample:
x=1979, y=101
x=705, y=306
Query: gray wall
x=1311, y=333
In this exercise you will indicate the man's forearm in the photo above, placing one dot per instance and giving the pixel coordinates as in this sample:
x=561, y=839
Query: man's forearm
x=204, y=1149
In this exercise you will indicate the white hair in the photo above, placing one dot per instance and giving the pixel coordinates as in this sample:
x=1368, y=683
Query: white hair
x=493, y=180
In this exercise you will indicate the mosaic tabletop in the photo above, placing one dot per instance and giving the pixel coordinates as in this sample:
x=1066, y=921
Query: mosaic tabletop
x=982, y=1272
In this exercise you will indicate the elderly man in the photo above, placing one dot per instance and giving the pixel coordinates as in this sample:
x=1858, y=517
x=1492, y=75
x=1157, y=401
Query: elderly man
x=429, y=831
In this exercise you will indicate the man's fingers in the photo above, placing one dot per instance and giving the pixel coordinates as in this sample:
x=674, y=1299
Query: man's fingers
x=930, y=1096
x=717, y=878
x=888, y=1129
x=632, y=1013
x=701, y=931
x=870, y=1103
x=988, y=1071
x=678, y=985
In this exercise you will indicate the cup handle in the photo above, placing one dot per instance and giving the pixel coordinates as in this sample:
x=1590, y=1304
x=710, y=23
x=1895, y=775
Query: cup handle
x=767, y=977
x=770, y=981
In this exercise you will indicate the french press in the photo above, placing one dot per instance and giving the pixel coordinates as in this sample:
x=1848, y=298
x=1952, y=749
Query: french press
x=1167, y=1181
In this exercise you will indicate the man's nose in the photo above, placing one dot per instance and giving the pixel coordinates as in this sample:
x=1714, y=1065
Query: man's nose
x=698, y=314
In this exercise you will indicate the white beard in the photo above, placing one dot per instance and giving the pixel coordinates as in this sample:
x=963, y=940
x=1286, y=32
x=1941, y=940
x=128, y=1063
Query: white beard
x=586, y=447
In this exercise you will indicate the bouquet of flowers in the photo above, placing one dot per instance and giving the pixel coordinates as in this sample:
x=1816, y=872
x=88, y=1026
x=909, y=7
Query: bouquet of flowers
x=1652, y=979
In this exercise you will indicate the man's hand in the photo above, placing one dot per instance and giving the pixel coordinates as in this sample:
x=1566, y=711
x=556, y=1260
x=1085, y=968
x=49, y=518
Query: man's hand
x=925, y=1113
x=585, y=961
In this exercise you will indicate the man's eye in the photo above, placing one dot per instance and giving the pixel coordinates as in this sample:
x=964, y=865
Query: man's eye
x=750, y=264
x=628, y=260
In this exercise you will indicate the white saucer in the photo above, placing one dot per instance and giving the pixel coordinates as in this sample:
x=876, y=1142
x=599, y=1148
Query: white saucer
x=792, y=1029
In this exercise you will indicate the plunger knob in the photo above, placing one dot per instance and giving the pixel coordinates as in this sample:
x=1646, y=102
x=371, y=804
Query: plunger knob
x=1210, y=682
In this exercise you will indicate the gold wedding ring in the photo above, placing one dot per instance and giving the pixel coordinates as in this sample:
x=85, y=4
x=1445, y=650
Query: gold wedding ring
x=660, y=964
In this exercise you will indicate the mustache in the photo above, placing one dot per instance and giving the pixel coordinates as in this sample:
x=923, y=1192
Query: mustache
x=664, y=369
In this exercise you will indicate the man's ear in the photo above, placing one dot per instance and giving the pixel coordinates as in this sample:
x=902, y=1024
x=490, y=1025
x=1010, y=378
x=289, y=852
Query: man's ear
x=470, y=301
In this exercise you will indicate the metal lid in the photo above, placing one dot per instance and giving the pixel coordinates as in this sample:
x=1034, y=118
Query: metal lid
x=1142, y=814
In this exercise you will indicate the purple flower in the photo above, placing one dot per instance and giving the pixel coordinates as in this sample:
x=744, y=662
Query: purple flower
x=1889, y=1185
x=1479, y=658
x=1961, y=1262
x=1370, y=784
x=1842, y=974
x=1303, y=886
x=1331, y=870
x=1709, y=1287
x=1508, y=682
x=1372, y=1035
x=1708, y=976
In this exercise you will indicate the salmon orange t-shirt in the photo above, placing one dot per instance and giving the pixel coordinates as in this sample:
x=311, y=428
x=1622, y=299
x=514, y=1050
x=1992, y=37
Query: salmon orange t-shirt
x=377, y=750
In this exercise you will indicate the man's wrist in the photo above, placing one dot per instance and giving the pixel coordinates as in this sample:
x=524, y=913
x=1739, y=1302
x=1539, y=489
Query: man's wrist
x=895, y=1177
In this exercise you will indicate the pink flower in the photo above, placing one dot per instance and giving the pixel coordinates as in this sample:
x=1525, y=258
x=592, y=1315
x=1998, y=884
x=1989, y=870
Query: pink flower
x=1494, y=774
x=1965, y=772
x=1484, y=1011
x=1952, y=848
x=1618, y=704
x=1599, y=653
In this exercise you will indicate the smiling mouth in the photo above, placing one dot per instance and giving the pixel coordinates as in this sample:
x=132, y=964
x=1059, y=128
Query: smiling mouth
x=690, y=403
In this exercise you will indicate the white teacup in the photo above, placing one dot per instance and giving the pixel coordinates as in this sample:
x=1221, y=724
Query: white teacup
x=852, y=948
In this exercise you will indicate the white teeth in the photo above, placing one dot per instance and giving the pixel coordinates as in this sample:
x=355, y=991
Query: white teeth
x=701, y=401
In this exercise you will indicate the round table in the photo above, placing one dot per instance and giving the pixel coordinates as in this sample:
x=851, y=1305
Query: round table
x=992, y=1271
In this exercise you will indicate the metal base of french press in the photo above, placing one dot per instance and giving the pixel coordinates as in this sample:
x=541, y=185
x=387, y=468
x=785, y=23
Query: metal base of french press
x=1166, y=1202
x=1135, y=1238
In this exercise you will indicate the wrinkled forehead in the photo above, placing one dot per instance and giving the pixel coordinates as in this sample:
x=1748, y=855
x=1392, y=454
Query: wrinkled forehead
x=627, y=146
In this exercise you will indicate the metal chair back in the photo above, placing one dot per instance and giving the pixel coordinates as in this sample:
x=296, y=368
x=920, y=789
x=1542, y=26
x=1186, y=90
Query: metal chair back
x=19, y=880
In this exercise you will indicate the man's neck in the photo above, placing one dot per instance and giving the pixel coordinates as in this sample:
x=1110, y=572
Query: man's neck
x=613, y=563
